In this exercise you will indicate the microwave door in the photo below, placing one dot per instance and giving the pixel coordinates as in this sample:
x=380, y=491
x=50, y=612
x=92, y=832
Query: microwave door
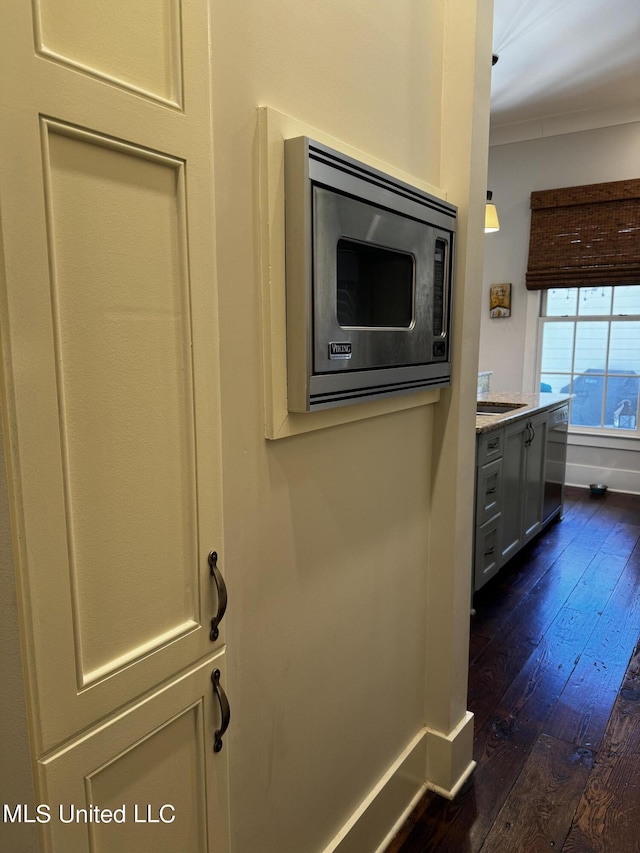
x=371, y=305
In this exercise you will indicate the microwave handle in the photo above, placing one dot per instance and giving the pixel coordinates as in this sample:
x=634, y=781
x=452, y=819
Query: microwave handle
x=446, y=286
x=446, y=295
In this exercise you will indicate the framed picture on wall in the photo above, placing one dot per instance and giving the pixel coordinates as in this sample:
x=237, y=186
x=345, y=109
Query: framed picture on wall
x=500, y=300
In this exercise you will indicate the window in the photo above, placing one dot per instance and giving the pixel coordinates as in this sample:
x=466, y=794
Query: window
x=590, y=347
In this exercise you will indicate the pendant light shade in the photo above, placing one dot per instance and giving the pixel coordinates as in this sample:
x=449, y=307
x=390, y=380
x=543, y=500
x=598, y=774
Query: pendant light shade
x=490, y=215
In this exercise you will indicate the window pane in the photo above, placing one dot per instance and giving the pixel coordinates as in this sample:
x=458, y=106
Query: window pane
x=591, y=347
x=595, y=355
x=556, y=383
x=621, y=410
x=557, y=347
x=594, y=300
x=562, y=302
x=626, y=299
x=624, y=354
x=586, y=406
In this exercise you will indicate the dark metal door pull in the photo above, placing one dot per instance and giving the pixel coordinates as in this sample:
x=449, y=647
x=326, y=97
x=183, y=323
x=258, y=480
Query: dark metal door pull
x=225, y=710
x=221, y=589
x=531, y=433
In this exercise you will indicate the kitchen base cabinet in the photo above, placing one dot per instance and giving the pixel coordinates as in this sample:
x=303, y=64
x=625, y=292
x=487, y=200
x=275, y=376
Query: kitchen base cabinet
x=510, y=477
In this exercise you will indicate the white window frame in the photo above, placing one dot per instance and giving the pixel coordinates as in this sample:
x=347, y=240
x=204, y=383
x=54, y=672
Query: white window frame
x=610, y=436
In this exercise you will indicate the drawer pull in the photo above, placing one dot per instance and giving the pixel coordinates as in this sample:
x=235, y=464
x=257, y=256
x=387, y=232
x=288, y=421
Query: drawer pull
x=494, y=444
x=225, y=710
x=531, y=434
x=491, y=491
x=489, y=552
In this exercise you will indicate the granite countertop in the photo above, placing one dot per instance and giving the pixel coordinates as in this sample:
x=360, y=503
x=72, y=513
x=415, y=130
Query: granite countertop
x=523, y=405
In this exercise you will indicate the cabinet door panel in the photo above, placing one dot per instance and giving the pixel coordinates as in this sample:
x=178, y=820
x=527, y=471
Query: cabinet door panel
x=110, y=329
x=147, y=778
x=512, y=474
x=123, y=366
x=533, y=481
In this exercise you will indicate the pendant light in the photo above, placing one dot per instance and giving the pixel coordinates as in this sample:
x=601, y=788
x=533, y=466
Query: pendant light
x=490, y=215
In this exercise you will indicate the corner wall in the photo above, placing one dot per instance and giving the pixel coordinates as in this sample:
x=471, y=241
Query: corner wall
x=337, y=590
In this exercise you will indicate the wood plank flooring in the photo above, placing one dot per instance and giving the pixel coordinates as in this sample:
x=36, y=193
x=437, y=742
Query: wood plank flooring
x=554, y=684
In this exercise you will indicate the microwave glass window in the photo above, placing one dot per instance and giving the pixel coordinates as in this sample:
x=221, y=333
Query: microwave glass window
x=375, y=286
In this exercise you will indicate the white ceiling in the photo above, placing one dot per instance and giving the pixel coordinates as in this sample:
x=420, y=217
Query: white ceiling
x=559, y=58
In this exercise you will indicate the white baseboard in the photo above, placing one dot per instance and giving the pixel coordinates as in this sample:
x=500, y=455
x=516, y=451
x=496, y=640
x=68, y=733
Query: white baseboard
x=431, y=761
x=388, y=804
x=617, y=479
x=449, y=758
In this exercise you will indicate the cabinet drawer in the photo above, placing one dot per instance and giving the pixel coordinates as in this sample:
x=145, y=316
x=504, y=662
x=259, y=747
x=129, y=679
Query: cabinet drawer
x=490, y=446
x=488, y=491
x=487, y=551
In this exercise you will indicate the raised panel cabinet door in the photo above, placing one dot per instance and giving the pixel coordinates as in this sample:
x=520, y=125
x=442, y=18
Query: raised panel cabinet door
x=512, y=483
x=533, y=485
x=109, y=323
x=146, y=779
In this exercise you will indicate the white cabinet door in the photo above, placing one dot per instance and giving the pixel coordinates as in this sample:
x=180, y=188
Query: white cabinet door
x=146, y=779
x=109, y=329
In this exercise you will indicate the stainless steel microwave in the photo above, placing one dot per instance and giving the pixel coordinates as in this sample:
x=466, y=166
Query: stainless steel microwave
x=369, y=277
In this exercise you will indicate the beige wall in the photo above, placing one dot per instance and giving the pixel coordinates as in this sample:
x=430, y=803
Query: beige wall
x=336, y=575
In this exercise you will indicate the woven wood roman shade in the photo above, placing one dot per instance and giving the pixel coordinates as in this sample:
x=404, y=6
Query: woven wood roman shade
x=583, y=236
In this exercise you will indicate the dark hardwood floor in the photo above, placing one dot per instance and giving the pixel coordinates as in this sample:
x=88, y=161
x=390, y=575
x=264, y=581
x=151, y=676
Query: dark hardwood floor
x=554, y=684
